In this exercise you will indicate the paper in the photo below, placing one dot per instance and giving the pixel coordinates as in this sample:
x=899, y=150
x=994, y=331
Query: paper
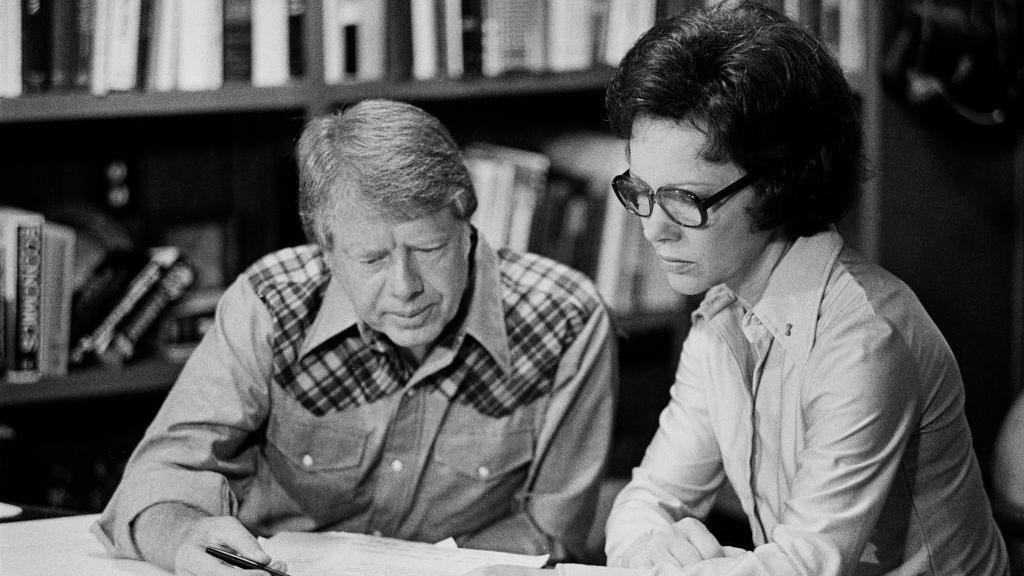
x=9, y=510
x=345, y=554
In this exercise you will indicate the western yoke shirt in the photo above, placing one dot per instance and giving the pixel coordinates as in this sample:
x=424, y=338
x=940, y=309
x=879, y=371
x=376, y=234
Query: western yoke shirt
x=292, y=414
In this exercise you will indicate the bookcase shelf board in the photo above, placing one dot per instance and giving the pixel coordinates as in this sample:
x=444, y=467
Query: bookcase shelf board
x=146, y=375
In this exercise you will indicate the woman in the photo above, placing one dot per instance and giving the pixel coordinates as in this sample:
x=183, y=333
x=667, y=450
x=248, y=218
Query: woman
x=812, y=380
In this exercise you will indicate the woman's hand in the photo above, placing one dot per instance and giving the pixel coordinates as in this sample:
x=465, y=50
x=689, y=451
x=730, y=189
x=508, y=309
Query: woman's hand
x=680, y=544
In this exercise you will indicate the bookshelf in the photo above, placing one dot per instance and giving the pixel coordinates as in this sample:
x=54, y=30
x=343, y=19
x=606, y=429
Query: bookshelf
x=228, y=152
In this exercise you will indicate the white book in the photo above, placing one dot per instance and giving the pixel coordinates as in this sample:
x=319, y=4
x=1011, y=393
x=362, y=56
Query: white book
x=852, y=37
x=123, y=21
x=98, y=64
x=270, y=42
x=454, y=65
x=200, y=45
x=627, y=20
x=513, y=36
x=610, y=255
x=333, y=47
x=570, y=35
x=10, y=48
x=162, y=71
x=372, y=40
x=424, y=39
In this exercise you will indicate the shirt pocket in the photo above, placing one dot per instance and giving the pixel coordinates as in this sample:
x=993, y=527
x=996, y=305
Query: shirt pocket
x=320, y=465
x=482, y=474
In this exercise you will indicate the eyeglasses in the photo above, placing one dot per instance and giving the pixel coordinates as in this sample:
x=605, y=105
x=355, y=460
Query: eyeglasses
x=682, y=206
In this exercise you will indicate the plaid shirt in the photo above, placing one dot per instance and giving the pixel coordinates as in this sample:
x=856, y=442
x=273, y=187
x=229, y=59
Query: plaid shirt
x=293, y=415
x=545, y=306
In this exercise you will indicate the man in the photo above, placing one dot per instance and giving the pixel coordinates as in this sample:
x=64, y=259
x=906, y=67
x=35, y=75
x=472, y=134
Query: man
x=398, y=377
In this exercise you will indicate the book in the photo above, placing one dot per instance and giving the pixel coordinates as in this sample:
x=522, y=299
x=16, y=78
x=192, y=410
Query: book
x=101, y=285
x=36, y=49
x=425, y=45
x=10, y=48
x=97, y=341
x=127, y=335
x=570, y=35
x=472, y=37
x=200, y=45
x=398, y=21
x=187, y=321
x=162, y=55
x=98, y=56
x=627, y=20
x=85, y=15
x=296, y=38
x=124, y=18
x=21, y=235
x=63, y=44
x=520, y=196
x=453, y=50
x=57, y=288
x=238, y=40
x=270, y=42
x=513, y=36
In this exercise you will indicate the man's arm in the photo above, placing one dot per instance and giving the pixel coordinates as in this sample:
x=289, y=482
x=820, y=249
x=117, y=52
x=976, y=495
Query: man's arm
x=572, y=447
x=193, y=446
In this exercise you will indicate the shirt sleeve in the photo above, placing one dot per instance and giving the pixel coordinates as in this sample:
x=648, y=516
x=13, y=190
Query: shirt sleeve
x=573, y=442
x=195, y=452
x=682, y=467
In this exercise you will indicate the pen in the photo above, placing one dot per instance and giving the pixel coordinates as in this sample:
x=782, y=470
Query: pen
x=241, y=561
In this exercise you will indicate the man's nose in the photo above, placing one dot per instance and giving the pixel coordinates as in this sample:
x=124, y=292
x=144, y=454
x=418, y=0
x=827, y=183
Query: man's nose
x=405, y=278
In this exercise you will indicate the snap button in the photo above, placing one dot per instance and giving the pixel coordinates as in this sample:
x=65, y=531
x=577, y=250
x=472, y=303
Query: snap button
x=484, y=472
x=396, y=465
x=377, y=533
x=307, y=461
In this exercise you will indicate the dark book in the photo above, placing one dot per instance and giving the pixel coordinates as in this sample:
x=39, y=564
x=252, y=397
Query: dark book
x=296, y=38
x=238, y=41
x=147, y=20
x=172, y=284
x=63, y=44
x=35, y=45
x=472, y=38
x=85, y=16
x=399, y=40
x=98, y=340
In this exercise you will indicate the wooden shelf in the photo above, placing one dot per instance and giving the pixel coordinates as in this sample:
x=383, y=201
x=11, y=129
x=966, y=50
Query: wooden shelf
x=300, y=97
x=149, y=375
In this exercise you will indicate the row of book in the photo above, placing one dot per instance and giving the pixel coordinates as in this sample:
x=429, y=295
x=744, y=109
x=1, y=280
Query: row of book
x=99, y=46
x=55, y=316
x=558, y=202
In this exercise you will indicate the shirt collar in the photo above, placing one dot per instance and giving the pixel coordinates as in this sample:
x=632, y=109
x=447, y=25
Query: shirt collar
x=484, y=319
x=792, y=298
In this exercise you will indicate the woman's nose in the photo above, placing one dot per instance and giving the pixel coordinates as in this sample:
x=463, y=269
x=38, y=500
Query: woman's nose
x=658, y=227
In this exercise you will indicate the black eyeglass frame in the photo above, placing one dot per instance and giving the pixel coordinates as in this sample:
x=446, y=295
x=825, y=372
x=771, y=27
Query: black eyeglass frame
x=655, y=196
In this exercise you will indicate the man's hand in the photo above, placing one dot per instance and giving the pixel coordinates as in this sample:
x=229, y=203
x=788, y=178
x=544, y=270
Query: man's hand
x=680, y=544
x=175, y=536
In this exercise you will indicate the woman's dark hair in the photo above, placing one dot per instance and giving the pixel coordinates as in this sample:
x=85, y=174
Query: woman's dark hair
x=770, y=97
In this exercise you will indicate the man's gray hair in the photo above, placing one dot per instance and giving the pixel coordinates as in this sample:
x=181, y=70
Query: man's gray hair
x=399, y=159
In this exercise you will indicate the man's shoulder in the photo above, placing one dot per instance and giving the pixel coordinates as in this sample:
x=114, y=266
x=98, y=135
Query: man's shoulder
x=288, y=267
x=526, y=276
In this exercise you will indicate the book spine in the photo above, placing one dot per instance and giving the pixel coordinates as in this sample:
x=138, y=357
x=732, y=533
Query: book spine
x=472, y=50
x=238, y=41
x=35, y=45
x=58, y=285
x=24, y=365
x=172, y=286
x=63, y=45
x=85, y=11
x=296, y=38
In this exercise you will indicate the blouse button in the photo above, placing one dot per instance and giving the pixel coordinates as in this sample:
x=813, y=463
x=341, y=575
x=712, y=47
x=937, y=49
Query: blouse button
x=307, y=461
x=396, y=465
x=484, y=472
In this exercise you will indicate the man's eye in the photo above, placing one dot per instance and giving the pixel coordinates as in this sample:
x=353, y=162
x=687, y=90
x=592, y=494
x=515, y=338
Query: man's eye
x=371, y=260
